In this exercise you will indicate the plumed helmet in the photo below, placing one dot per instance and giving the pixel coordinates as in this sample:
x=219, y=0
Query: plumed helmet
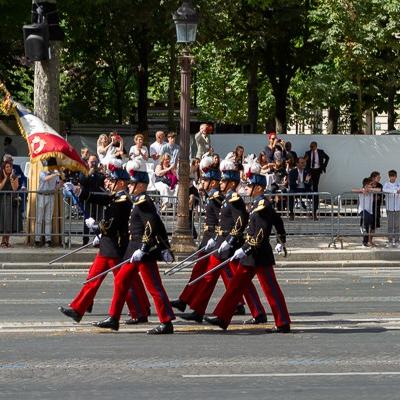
x=208, y=172
x=229, y=171
x=137, y=171
x=116, y=171
x=253, y=173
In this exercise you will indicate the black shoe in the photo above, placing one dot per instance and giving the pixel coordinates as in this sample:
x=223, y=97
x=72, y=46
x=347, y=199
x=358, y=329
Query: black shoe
x=90, y=309
x=216, y=321
x=178, y=304
x=240, y=310
x=260, y=319
x=71, y=313
x=48, y=243
x=135, y=321
x=291, y=217
x=193, y=316
x=303, y=205
x=38, y=244
x=162, y=329
x=108, y=323
x=279, y=329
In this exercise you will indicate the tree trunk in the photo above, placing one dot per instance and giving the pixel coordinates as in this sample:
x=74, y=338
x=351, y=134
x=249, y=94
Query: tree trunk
x=171, y=86
x=252, y=95
x=333, y=121
x=280, y=109
x=143, y=85
x=369, y=126
x=390, y=108
x=354, y=128
x=46, y=107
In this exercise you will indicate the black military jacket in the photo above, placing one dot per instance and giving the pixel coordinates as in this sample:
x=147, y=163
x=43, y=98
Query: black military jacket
x=114, y=226
x=146, y=229
x=257, y=246
x=212, y=209
x=233, y=219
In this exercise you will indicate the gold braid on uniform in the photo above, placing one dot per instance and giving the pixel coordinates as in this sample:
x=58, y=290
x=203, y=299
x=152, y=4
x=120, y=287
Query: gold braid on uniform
x=237, y=228
x=255, y=241
x=147, y=233
x=104, y=226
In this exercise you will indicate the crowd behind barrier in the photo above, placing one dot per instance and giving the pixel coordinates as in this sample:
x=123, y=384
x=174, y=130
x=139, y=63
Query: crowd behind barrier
x=338, y=216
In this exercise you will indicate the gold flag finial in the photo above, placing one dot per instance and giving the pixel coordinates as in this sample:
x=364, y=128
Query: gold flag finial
x=6, y=104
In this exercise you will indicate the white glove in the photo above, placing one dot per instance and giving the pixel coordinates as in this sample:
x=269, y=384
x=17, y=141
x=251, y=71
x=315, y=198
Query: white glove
x=137, y=256
x=167, y=256
x=90, y=222
x=210, y=244
x=69, y=186
x=239, y=254
x=224, y=246
x=279, y=248
x=96, y=241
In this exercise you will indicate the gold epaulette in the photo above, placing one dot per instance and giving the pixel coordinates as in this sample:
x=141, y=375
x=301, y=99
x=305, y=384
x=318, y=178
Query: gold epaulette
x=215, y=195
x=261, y=205
x=122, y=198
x=235, y=197
x=142, y=199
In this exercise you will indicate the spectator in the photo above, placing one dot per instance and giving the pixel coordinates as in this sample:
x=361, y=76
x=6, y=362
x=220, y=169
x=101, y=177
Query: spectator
x=194, y=196
x=366, y=211
x=92, y=197
x=270, y=148
x=85, y=154
x=22, y=181
x=117, y=146
x=49, y=181
x=376, y=183
x=317, y=161
x=299, y=182
x=216, y=160
x=392, y=197
x=166, y=180
x=171, y=148
x=195, y=174
x=9, y=148
x=138, y=150
x=279, y=183
x=237, y=157
x=10, y=218
x=264, y=164
x=203, y=141
x=104, y=146
x=290, y=154
x=155, y=148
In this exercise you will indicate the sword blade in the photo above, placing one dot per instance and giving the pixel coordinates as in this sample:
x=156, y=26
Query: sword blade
x=219, y=266
x=70, y=253
x=106, y=272
x=183, y=261
x=193, y=262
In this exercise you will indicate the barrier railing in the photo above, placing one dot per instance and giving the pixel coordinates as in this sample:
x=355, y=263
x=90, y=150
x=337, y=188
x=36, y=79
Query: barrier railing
x=305, y=214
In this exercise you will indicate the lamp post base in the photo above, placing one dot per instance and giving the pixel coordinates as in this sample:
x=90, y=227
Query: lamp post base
x=182, y=242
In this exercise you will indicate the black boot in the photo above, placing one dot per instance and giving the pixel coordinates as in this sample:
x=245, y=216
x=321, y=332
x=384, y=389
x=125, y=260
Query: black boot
x=108, y=323
x=178, y=304
x=90, y=309
x=135, y=321
x=260, y=319
x=162, y=329
x=279, y=329
x=216, y=321
x=71, y=313
x=240, y=310
x=193, y=316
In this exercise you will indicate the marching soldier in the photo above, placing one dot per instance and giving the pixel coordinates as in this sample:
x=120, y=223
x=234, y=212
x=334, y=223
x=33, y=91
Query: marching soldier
x=112, y=239
x=148, y=242
x=256, y=257
x=233, y=218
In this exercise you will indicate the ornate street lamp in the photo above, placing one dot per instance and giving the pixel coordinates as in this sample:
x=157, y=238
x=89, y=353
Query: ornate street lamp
x=186, y=19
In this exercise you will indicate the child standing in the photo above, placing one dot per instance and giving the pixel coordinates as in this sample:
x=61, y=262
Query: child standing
x=392, y=190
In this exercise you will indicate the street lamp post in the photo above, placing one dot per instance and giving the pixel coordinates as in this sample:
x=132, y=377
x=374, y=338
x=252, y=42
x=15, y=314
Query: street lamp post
x=186, y=19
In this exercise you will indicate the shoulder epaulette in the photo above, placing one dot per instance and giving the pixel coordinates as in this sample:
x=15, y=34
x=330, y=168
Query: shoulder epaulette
x=261, y=205
x=122, y=198
x=215, y=195
x=234, y=197
x=141, y=200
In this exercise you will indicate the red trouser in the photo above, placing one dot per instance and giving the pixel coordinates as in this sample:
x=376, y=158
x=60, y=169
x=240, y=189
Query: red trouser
x=85, y=297
x=270, y=286
x=207, y=285
x=152, y=280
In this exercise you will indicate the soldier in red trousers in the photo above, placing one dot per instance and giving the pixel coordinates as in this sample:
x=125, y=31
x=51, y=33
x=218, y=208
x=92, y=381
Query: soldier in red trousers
x=112, y=239
x=148, y=242
x=232, y=220
x=256, y=258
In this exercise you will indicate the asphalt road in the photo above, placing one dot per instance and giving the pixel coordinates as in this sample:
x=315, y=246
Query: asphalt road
x=344, y=345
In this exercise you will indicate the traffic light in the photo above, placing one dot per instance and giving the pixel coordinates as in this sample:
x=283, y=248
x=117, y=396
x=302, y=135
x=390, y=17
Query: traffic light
x=44, y=28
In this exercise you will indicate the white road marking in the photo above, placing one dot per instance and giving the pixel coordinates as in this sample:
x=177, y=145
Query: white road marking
x=29, y=280
x=294, y=375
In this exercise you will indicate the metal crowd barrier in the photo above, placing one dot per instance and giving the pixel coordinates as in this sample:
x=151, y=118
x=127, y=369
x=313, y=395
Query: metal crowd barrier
x=323, y=215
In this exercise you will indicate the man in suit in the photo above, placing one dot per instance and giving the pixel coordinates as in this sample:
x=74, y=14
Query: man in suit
x=203, y=141
x=299, y=182
x=317, y=161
